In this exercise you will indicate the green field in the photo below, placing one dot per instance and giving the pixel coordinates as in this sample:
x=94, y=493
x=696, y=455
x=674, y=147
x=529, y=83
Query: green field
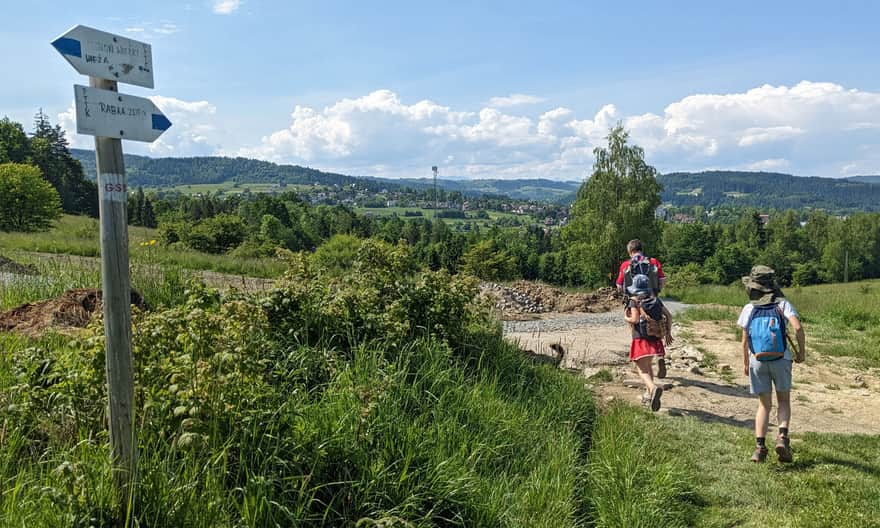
x=79, y=235
x=428, y=214
x=338, y=408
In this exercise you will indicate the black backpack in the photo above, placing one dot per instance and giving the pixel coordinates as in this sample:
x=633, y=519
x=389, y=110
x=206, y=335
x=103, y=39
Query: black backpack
x=642, y=266
x=653, y=320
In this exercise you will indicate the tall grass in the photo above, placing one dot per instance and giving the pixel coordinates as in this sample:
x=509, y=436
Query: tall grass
x=159, y=285
x=633, y=482
x=243, y=424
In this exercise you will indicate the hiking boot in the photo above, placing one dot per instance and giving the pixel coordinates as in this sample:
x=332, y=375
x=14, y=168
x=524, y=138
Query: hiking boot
x=655, y=398
x=783, y=449
x=760, y=455
x=661, y=368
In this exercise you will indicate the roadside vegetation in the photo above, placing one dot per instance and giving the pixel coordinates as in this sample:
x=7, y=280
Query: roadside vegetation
x=330, y=400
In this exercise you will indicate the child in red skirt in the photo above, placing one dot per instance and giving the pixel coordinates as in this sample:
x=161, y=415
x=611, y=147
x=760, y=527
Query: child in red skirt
x=651, y=325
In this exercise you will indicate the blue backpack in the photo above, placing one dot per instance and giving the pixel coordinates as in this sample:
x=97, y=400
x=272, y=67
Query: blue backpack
x=766, y=332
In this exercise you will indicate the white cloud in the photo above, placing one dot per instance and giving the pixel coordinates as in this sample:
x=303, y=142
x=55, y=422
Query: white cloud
x=149, y=31
x=514, y=100
x=809, y=128
x=192, y=128
x=226, y=7
x=166, y=29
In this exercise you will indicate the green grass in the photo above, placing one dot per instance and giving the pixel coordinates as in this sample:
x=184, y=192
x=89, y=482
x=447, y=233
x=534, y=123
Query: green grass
x=279, y=430
x=834, y=481
x=632, y=483
x=649, y=470
x=159, y=285
x=78, y=235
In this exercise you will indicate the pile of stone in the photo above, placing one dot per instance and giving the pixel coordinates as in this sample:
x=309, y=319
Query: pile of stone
x=514, y=300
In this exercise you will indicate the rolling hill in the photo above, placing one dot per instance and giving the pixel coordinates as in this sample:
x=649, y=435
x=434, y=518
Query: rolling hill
x=169, y=172
x=709, y=189
x=768, y=190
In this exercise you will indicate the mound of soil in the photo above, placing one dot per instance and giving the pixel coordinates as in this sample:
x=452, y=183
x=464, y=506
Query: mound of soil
x=525, y=297
x=65, y=314
x=10, y=266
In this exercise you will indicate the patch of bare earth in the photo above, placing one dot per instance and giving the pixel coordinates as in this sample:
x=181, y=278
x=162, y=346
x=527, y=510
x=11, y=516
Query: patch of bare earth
x=705, y=378
x=66, y=314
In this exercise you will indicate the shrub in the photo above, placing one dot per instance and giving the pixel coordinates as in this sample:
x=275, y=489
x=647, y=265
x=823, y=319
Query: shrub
x=27, y=201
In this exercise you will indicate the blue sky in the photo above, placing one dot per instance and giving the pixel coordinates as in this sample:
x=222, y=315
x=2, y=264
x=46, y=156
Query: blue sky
x=483, y=89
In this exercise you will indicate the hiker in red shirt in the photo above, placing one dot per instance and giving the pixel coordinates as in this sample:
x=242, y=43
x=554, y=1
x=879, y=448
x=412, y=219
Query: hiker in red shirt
x=650, y=266
x=639, y=264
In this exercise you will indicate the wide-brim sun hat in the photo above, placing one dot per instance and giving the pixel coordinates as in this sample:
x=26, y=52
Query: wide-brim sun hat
x=762, y=286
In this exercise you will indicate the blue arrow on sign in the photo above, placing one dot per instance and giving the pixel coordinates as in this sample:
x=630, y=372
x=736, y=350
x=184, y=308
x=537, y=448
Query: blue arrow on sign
x=160, y=122
x=68, y=46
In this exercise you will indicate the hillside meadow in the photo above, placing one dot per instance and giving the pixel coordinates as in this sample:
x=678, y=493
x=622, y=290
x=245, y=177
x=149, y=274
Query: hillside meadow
x=383, y=395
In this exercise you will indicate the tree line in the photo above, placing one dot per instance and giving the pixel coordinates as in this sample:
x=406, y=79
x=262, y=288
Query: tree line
x=617, y=203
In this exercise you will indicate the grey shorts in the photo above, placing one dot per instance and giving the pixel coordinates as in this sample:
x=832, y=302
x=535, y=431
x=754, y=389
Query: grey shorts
x=763, y=375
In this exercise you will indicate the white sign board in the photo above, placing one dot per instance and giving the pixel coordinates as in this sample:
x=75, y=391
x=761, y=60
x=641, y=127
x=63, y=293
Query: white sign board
x=107, y=56
x=109, y=114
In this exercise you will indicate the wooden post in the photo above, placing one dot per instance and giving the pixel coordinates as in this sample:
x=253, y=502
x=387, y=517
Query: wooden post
x=116, y=286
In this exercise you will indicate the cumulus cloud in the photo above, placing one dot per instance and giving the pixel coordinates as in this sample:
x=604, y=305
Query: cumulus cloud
x=226, y=7
x=809, y=128
x=514, y=100
x=192, y=128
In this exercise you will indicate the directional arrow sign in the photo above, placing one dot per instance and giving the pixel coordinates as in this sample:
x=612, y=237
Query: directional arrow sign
x=109, y=114
x=107, y=56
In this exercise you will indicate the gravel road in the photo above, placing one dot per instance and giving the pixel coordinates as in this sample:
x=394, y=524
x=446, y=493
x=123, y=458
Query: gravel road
x=572, y=321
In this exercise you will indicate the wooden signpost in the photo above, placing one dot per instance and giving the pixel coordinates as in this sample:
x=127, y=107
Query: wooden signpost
x=109, y=116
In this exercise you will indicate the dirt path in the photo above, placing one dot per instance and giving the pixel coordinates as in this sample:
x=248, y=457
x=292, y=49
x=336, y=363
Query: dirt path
x=705, y=378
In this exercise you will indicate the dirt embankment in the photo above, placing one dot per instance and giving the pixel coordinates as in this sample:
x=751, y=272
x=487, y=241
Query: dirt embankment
x=66, y=314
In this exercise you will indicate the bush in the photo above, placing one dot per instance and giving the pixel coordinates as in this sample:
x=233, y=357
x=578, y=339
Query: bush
x=380, y=396
x=688, y=276
x=336, y=255
x=27, y=201
x=805, y=274
x=217, y=234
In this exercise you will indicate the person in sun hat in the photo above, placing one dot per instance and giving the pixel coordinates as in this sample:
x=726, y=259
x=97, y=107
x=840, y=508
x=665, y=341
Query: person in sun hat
x=767, y=356
x=651, y=325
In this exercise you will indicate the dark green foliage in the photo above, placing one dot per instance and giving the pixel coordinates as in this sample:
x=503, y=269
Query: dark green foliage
x=768, y=190
x=13, y=142
x=384, y=395
x=27, y=201
x=47, y=150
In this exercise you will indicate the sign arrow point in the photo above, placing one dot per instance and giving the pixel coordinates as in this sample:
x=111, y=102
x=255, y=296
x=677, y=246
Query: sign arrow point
x=68, y=46
x=160, y=122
